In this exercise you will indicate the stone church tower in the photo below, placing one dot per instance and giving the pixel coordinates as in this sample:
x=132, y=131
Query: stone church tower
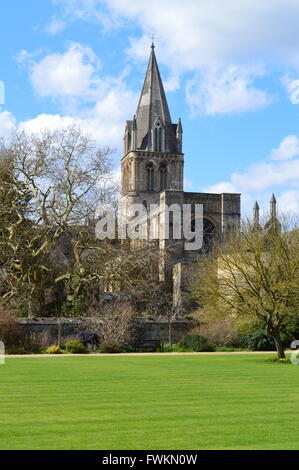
x=153, y=170
x=153, y=160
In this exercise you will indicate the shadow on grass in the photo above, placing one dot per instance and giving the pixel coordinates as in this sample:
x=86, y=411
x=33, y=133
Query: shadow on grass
x=275, y=360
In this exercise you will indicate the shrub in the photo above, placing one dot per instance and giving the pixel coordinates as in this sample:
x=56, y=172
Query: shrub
x=9, y=329
x=74, y=347
x=30, y=343
x=110, y=348
x=54, y=349
x=222, y=332
x=114, y=324
x=128, y=349
x=196, y=343
x=167, y=347
x=290, y=331
x=260, y=341
x=16, y=350
x=89, y=339
x=44, y=339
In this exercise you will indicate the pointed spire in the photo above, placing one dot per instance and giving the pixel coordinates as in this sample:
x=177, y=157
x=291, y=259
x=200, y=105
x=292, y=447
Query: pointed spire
x=273, y=207
x=134, y=133
x=153, y=108
x=179, y=136
x=273, y=223
x=180, y=127
x=256, y=214
x=134, y=124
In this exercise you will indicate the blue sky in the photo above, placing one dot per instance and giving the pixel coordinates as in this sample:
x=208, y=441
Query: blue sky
x=231, y=72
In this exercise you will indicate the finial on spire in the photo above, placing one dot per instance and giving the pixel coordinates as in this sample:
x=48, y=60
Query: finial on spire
x=134, y=126
x=179, y=127
x=153, y=42
x=273, y=203
x=256, y=214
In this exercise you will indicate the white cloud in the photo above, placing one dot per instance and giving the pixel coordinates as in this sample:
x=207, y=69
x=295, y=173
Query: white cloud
x=260, y=179
x=294, y=91
x=172, y=83
x=47, y=121
x=2, y=93
x=206, y=33
x=292, y=87
x=7, y=124
x=89, y=10
x=68, y=74
x=223, y=187
x=288, y=201
x=104, y=121
x=227, y=90
x=55, y=26
x=265, y=175
x=215, y=41
x=288, y=148
x=98, y=104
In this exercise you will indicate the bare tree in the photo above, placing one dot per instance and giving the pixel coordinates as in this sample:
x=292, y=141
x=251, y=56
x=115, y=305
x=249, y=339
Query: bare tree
x=113, y=322
x=56, y=181
x=52, y=185
x=120, y=267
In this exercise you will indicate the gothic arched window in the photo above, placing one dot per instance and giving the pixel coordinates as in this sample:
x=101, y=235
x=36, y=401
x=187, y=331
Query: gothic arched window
x=209, y=233
x=158, y=138
x=150, y=177
x=163, y=176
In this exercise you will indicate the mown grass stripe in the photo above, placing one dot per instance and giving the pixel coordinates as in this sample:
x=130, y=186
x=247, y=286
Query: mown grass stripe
x=162, y=402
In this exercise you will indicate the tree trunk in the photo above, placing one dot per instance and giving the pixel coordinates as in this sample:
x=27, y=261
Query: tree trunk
x=279, y=347
x=33, y=307
x=170, y=332
x=275, y=333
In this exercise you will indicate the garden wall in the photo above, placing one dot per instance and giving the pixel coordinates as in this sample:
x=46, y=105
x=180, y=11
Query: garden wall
x=150, y=332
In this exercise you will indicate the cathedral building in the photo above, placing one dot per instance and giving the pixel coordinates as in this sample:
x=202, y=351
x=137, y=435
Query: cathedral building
x=153, y=165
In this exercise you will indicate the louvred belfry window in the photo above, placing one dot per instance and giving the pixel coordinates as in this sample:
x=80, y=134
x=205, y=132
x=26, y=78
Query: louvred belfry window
x=158, y=138
x=150, y=177
x=163, y=176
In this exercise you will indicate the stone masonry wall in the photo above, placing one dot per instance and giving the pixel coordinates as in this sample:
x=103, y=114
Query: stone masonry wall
x=150, y=333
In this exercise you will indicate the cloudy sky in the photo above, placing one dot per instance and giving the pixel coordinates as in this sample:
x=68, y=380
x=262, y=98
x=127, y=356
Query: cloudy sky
x=230, y=68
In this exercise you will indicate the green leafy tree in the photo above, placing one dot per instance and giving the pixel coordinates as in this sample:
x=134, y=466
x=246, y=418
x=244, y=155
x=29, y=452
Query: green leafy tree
x=254, y=276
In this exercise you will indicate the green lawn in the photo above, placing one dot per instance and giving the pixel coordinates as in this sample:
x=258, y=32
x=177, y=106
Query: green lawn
x=149, y=403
